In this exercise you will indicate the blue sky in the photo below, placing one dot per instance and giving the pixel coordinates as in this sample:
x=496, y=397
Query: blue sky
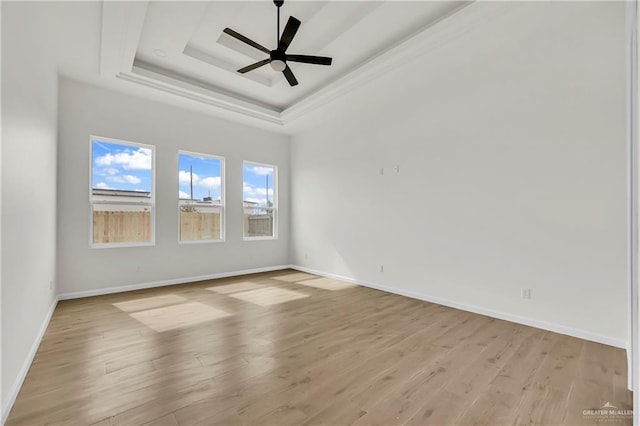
x=118, y=166
x=127, y=167
x=206, y=176
x=256, y=178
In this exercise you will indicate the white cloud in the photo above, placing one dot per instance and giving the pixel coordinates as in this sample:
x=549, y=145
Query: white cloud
x=139, y=159
x=263, y=191
x=209, y=182
x=134, y=180
x=251, y=191
x=257, y=195
x=106, y=171
x=259, y=170
x=102, y=185
x=184, y=177
x=182, y=194
x=105, y=160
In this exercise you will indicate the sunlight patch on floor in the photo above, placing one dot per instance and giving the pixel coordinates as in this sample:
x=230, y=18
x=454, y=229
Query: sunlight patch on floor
x=269, y=296
x=327, y=284
x=149, y=302
x=295, y=276
x=178, y=316
x=235, y=288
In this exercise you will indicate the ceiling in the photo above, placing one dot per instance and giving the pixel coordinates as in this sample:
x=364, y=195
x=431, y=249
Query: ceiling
x=179, y=48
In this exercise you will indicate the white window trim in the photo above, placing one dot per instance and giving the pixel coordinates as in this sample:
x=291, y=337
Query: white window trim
x=274, y=209
x=151, y=204
x=223, y=200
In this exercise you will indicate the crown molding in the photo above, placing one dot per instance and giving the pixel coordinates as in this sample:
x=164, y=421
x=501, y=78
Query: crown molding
x=192, y=94
x=122, y=27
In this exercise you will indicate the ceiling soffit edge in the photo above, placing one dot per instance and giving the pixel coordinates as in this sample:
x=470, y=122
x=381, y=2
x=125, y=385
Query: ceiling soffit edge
x=122, y=28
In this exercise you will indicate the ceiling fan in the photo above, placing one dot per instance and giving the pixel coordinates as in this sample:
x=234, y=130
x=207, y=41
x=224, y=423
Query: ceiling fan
x=278, y=58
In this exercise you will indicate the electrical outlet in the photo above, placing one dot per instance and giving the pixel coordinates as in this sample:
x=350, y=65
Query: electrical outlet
x=382, y=172
x=381, y=268
x=525, y=293
x=397, y=168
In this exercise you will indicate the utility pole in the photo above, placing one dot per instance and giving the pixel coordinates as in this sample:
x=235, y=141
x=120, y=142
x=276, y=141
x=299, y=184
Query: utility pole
x=191, y=180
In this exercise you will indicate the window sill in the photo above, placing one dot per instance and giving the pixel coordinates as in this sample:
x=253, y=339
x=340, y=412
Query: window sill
x=189, y=242
x=259, y=238
x=120, y=245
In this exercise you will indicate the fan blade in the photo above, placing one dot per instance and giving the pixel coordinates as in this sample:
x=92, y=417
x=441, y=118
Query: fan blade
x=318, y=60
x=246, y=40
x=254, y=66
x=289, y=32
x=290, y=77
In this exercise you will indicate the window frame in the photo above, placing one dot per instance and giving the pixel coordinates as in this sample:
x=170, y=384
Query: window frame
x=273, y=209
x=222, y=208
x=151, y=203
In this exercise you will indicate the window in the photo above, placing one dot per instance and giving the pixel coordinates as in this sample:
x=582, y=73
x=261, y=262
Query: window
x=122, y=193
x=260, y=200
x=200, y=197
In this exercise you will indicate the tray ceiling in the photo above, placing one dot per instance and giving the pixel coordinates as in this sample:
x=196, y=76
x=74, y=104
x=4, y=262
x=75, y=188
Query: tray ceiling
x=179, y=48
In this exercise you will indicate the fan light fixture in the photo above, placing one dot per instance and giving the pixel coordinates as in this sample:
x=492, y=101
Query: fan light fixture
x=278, y=65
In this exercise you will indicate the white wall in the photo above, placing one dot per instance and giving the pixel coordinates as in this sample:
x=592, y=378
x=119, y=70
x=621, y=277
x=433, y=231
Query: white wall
x=633, y=121
x=29, y=137
x=87, y=110
x=1, y=391
x=511, y=147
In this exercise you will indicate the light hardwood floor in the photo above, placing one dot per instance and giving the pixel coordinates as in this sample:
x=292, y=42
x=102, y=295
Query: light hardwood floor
x=289, y=348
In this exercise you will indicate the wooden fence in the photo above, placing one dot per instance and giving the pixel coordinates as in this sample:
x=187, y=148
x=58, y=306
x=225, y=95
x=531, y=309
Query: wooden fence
x=121, y=227
x=195, y=226
x=259, y=225
x=133, y=227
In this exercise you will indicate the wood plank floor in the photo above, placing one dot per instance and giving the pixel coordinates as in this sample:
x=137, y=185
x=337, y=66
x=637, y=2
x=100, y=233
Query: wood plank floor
x=286, y=347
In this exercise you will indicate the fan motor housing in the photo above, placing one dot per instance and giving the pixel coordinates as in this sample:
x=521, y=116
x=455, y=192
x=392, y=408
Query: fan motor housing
x=278, y=55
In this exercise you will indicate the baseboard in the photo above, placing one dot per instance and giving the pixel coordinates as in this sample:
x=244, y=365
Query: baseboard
x=7, y=404
x=142, y=286
x=556, y=328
